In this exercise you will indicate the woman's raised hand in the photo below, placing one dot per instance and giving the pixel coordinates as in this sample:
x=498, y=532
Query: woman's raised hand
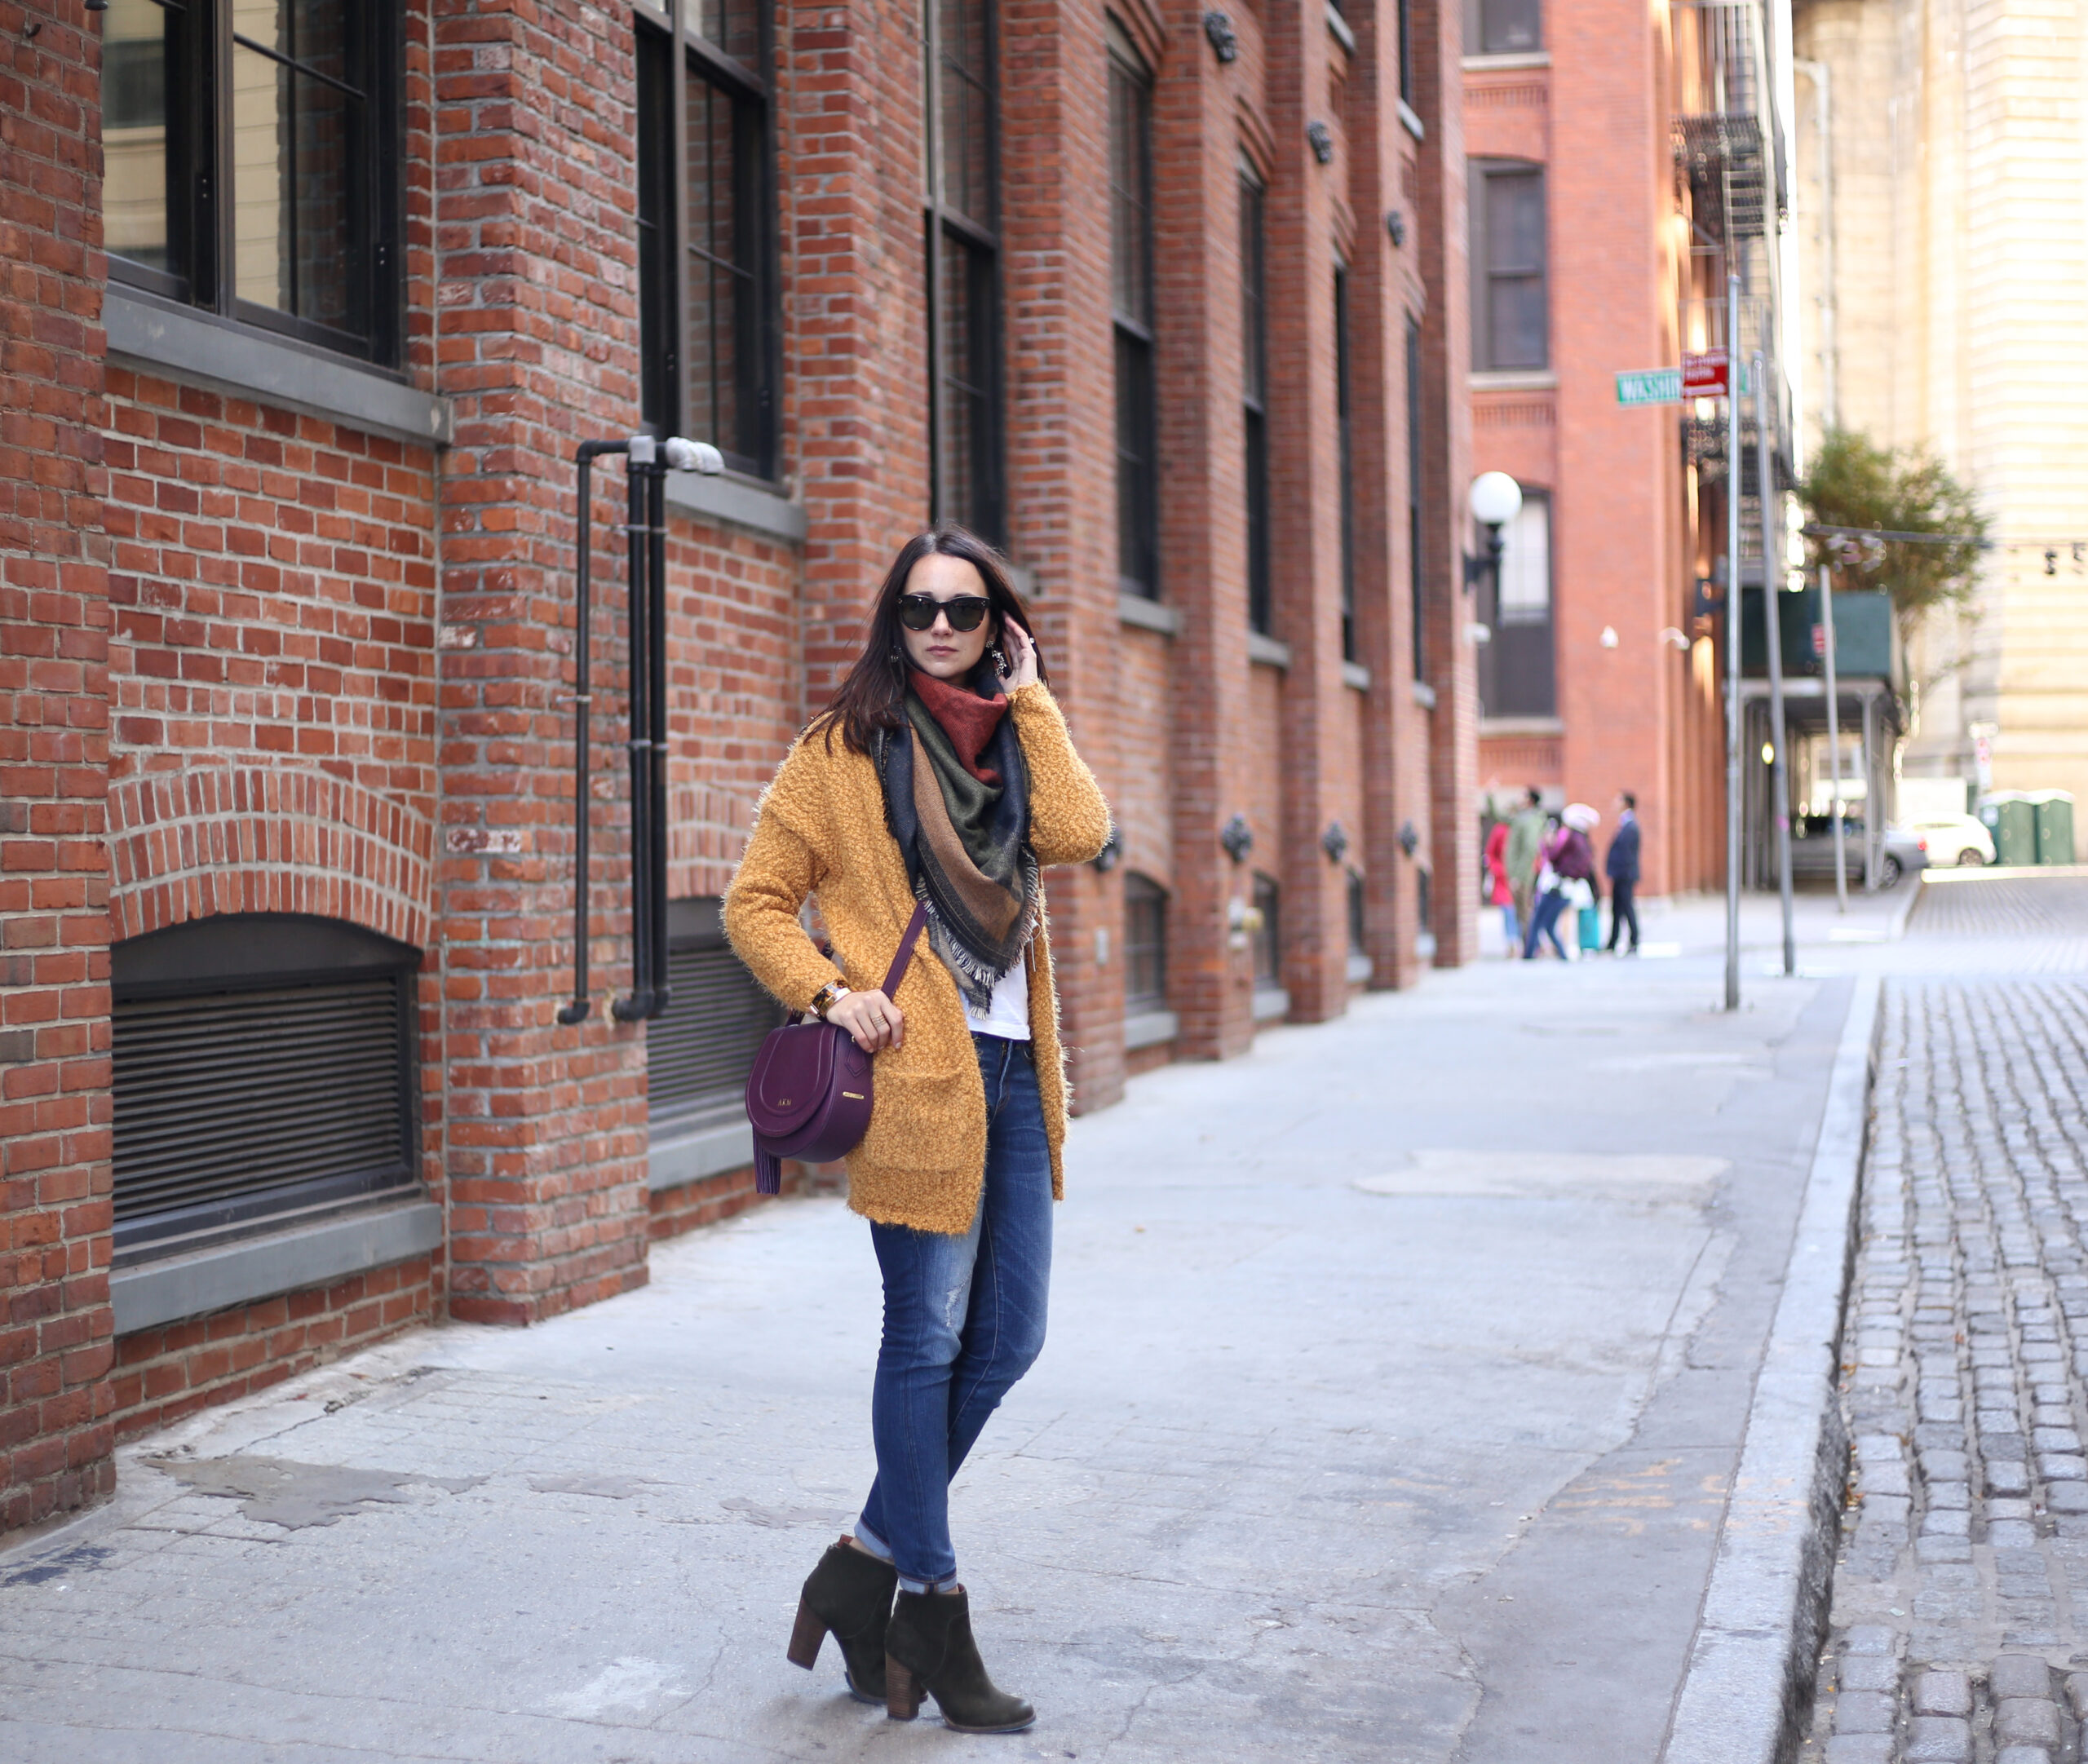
x=872, y=1018
x=1022, y=656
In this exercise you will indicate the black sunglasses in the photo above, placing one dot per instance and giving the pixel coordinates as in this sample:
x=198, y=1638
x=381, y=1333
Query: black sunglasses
x=917, y=612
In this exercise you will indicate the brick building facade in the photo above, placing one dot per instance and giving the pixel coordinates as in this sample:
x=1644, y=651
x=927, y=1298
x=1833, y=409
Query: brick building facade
x=301, y=333
x=1591, y=259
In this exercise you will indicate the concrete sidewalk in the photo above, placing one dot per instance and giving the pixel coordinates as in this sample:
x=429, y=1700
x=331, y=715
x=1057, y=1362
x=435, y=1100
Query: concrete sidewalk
x=1397, y=1374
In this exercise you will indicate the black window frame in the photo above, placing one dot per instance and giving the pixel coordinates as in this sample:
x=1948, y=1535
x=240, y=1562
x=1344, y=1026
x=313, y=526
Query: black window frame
x=1254, y=393
x=1417, y=576
x=1519, y=668
x=1358, y=913
x=1345, y=480
x=1405, y=26
x=671, y=256
x=1490, y=27
x=1487, y=177
x=961, y=254
x=1132, y=320
x=202, y=273
x=1145, y=944
x=223, y=957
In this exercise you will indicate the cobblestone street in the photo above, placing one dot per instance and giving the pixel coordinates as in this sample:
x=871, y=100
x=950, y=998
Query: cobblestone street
x=1961, y=1603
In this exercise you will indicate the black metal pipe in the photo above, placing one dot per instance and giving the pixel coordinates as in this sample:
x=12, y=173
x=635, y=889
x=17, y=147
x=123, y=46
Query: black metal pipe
x=638, y=1003
x=656, y=537
x=584, y=458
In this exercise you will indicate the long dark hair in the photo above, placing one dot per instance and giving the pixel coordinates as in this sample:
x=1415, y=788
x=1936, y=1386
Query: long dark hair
x=874, y=695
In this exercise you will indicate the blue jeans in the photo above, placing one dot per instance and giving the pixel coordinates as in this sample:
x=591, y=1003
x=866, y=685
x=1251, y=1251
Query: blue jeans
x=963, y=1320
x=1544, y=923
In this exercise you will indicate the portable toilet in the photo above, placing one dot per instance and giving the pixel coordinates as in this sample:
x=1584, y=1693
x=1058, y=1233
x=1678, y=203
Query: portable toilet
x=2011, y=817
x=2054, y=812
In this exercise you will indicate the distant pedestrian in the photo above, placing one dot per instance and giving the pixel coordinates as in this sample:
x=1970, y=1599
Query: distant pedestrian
x=1498, y=893
x=1622, y=866
x=1566, y=876
x=941, y=773
x=1525, y=852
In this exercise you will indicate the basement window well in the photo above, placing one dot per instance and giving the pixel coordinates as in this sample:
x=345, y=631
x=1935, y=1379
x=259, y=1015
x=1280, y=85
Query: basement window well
x=263, y=1074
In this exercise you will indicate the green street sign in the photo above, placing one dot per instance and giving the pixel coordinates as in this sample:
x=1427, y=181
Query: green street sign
x=1650, y=386
x=1663, y=386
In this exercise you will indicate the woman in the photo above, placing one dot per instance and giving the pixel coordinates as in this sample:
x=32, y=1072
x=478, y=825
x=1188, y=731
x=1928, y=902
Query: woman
x=941, y=773
x=1499, y=894
x=1568, y=859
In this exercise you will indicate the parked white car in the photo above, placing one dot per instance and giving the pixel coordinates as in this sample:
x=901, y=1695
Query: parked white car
x=1955, y=839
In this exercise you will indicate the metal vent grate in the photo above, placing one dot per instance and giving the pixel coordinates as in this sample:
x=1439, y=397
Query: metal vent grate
x=292, y=1093
x=701, y=1052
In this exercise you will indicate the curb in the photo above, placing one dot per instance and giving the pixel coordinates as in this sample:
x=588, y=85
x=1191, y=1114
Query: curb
x=1751, y=1668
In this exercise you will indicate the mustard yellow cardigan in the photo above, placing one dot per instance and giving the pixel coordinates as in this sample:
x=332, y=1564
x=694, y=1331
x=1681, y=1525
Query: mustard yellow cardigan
x=821, y=830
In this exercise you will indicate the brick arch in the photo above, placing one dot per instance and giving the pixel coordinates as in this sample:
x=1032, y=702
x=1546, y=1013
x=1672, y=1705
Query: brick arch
x=185, y=845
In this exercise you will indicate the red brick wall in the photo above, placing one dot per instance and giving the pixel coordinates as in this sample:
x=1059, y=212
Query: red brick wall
x=162, y=1374
x=537, y=340
x=54, y=1330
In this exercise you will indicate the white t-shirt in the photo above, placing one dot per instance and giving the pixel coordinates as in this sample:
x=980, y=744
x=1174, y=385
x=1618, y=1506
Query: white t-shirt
x=1007, y=1013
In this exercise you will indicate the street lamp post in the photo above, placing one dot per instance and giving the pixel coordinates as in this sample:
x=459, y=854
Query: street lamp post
x=1496, y=500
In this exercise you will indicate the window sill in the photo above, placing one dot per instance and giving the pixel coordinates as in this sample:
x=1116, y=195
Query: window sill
x=1360, y=968
x=1355, y=674
x=1513, y=380
x=741, y=502
x=1338, y=29
x=1271, y=1004
x=1150, y=1028
x=1266, y=650
x=1511, y=726
x=1410, y=118
x=239, y=1272
x=1147, y=615
x=1524, y=58
x=202, y=349
x=695, y=1152
x=1424, y=695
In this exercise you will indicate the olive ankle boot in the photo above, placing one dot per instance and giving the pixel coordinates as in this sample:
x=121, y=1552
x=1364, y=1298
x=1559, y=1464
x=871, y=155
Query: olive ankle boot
x=929, y=1646
x=848, y=1596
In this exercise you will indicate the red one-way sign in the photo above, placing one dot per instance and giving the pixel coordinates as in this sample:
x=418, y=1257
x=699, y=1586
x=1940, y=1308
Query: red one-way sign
x=1704, y=376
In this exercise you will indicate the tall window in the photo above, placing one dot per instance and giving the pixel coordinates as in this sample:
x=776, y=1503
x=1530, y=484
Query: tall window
x=1510, y=321
x=218, y=1028
x=1504, y=27
x=1516, y=669
x=1130, y=292
x=251, y=152
x=1268, y=940
x=1406, y=50
x=962, y=220
x=1417, y=602
x=1253, y=356
x=1145, y=945
x=1346, y=483
x=707, y=281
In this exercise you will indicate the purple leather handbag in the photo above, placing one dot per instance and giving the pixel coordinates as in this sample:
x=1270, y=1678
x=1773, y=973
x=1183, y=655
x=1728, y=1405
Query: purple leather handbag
x=809, y=1094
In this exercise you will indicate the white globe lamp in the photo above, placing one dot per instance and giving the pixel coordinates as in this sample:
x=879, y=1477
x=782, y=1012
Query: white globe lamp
x=1496, y=499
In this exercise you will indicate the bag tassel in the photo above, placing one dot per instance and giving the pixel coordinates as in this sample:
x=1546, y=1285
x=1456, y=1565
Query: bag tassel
x=767, y=1173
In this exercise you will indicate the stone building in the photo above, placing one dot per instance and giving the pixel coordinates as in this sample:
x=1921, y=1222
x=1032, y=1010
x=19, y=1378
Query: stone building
x=1941, y=195
x=308, y=309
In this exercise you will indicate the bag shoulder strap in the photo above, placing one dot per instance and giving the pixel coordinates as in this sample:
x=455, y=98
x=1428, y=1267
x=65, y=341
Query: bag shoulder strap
x=906, y=942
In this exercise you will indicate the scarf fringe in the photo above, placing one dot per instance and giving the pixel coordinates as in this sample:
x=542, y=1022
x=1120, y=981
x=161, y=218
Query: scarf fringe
x=976, y=978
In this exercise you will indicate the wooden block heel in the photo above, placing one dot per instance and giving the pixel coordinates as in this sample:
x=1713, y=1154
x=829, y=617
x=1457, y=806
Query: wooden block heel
x=902, y=1691
x=806, y=1635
